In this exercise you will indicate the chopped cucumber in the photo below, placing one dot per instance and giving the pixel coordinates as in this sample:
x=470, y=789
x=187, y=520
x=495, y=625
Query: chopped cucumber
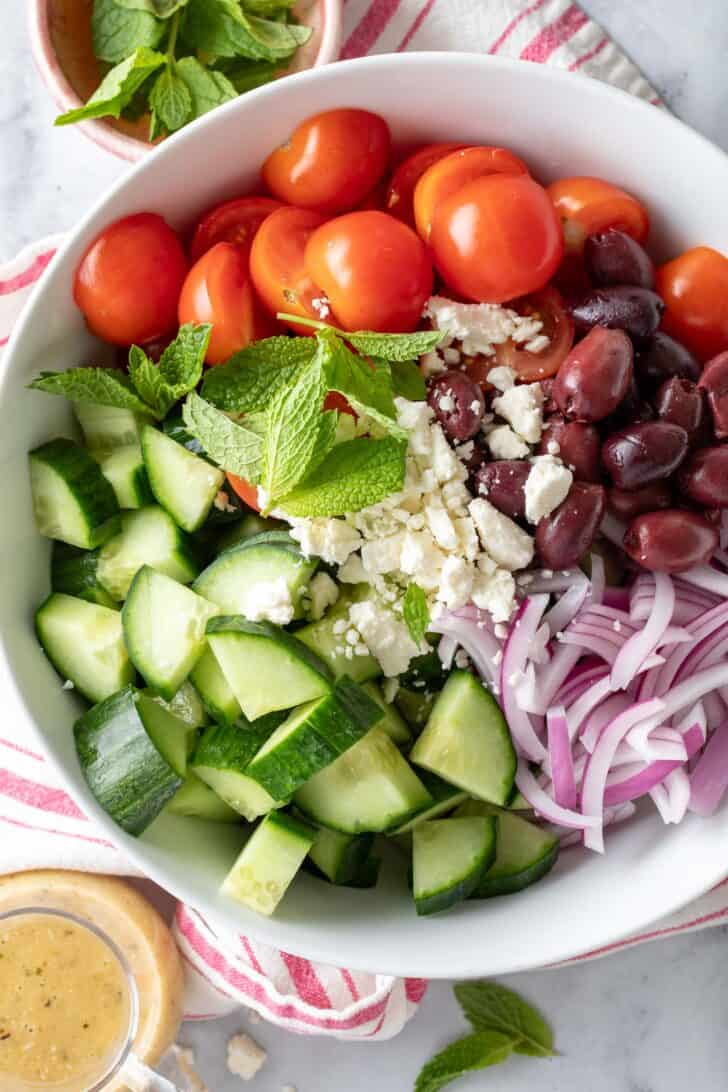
x=183, y=483
x=106, y=428
x=173, y=737
x=331, y=645
x=221, y=760
x=72, y=500
x=214, y=689
x=449, y=859
x=340, y=857
x=391, y=723
x=445, y=798
x=129, y=777
x=174, y=427
x=85, y=644
x=194, y=798
x=267, y=668
x=368, y=874
x=269, y=861
x=124, y=469
x=369, y=788
x=164, y=628
x=415, y=705
x=148, y=536
x=248, y=526
x=236, y=575
x=73, y=572
x=185, y=704
x=312, y=737
x=467, y=742
x=524, y=853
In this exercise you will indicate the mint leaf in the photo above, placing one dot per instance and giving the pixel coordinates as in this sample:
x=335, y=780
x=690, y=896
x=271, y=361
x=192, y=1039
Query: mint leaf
x=247, y=75
x=207, y=88
x=99, y=386
x=170, y=101
x=367, y=389
x=117, y=31
x=467, y=1055
x=232, y=447
x=178, y=372
x=248, y=380
x=408, y=381
x=488, y=1005
x=268, y=8
x=118, y=88
x=276, y=41
x=292, y=440
x=161, y=8
x=395, y=346
x=416, y=612
x=145, y=376
x=354, y=474
x=219, y=28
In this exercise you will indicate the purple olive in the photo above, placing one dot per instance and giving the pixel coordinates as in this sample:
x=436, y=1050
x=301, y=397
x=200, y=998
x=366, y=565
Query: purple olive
x=663, y=357
x=704, y=477
x=670, y=541
x=565, y=536
x=714, y=381
x=613, y=257
x=632, y=410
x=458, y=404
x=626, y=505
x=641, y=454
x=637, y=311
x=595, y=376
x=579, y=445
x=681, y=403
x=503, y=483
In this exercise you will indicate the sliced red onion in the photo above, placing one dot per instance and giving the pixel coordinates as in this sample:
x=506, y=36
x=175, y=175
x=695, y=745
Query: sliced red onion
x=616, y=597
x=583, y=706
x=721, y=556
x=695, y=719
x=724, y=529
x=694, y=689
x=642, y=644
x=481, y=646
x=715, y=710
x=677, y=785
x=561, y=757
x=709, y=779
x=541, y=802
x=597, y=643
x=547, y=581
x=515, y=656
x=593, y=724
x=631, y=785
x=566, y=608
x=576, y=685
x=598, y=578
x=660, y=744
x=705, y=576
x=613, y=529
x=446, y=651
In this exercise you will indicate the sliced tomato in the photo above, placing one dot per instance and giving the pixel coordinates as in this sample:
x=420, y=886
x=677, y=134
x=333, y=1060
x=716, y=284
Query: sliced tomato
x=557, y=327
x=401, y=190
x=248, y=493
x=218, y=290
x=232, y=222
x=588, y=205
x=278, y=268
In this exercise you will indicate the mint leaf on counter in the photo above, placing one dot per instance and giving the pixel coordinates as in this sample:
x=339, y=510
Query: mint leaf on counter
x=354, y=474
x=170, y=101
x=416, y=612
x=248, y=380
x=233, y=447
x=394, y=346
x=161, y=8
x=408, y=381
x=296, y=432
x=99, y=386
x=178, y=372
x=489, y=1005
x=118, y=31
x=467, y=1055
x=207, y=88
x=118, y=87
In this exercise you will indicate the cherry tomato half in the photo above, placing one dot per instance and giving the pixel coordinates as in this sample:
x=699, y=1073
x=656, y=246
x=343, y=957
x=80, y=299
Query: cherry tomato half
x=557, y=327
x=277, y=264
x=218, y=290
x=446, y=176
x=497, y=238
x=587, y=206
x=248, y=493
x=128, y=281
x=331, y=161
x=694, y=287
x=373, y=269
x=401, y=190
x=233, y=222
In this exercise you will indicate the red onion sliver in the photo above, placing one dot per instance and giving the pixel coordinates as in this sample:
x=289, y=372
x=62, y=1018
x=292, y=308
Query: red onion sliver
x=591, y=727
x=481, y=646
x=546, y=807
x=535, y=583
x=715, y=710
x=636, y=650
x=705, y=576
x=515, y=656
x=446, y=651
x=561, y=757
x=566, y=608
x=709, y=779
x=598, y=578
x=724, y=529
x=589, y=700
x=616, y=597
x=632, y=786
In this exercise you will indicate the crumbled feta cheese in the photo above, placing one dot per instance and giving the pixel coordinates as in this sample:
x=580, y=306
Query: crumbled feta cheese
x=330, y=539
x=263, y=498
x=389, y=690
x=321, y=306
x=547, y=485
x=502, y=378
x=456, y=582
x=502, y=538
x=447, y=403
x=500, y=631
x=456, y=496
x=537, y=344
x=496, y=593
x=462, y=660
x=553, y=447
x=521, y=408
x=244, y=1056
x=382, y=555
x=222, y=502
x=353, y=571
x=445, y=463
x=432, y=363
x=269, y=600
x=503, y=443
x=416, y=418
x=386, y=637
x=465, y=451
x=323, y=593
x=480, y=326
x=617, y=625
x=422, y=558
x=68, y=685
x=469, y=544
x=451, y=356
x=441, y=525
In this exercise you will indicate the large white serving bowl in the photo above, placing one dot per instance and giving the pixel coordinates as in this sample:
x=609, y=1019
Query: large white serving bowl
x=561, y=124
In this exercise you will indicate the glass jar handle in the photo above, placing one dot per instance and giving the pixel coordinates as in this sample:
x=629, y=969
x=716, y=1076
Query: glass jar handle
x=140, y=1078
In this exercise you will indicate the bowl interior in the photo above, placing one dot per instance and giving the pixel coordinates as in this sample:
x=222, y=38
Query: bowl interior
x=560, y=124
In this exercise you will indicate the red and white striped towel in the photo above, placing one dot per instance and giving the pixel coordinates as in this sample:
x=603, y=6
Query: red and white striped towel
x=46, y=827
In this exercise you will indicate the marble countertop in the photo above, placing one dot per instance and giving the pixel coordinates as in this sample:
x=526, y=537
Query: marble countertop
x=647, y=1020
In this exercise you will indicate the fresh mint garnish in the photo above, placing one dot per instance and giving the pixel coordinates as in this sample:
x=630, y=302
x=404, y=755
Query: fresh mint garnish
x=416, y=612
x=395, y=346
x=118, y=87
x=489, y=1005
x=353, y=475
x=161, y=8
x=220, y=28
x=118, y=30
x=233, y=447
x=408, y=381
x=170, y=100
x=474, y=1052
x=207, y=87
x=249, y=379
x=367, y=389
x=297, y=432
x=178, y=372
x=99, y=386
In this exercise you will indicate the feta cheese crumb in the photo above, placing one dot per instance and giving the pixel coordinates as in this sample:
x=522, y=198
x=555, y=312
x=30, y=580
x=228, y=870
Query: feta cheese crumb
x=386, y=637
x=456, y=582
x=244, y=1056
x=353, y=571
x=68, y=685
x=496, y=593
x=445, y=462
x=323, y=593
x=547, y=485
x=447, y=403
x=269, y=600
x=442, y=527
x=462, y=660
x=222, y=502
x=389, y=690
x=502, y=538
x=432, y=363
x=504, y=443
x=321, y=306
x=451, y=356
x=263, y=498
x=330, y=539
x=500, y=631
x=553, y=447
x=502, y=378
x=480, y=326
x=382, y=555
x=521, y=408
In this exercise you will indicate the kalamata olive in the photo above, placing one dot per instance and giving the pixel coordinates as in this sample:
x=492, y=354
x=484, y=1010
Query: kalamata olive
x=626, y=505
x=670, y=541
x=613, y=257
x=641, y=454
x=547, y=390
x=595, y=376
x=681, y=403
x=663, y=357
x=472, y=455
x=637, y=311
x=566, y=535
x=503, y=483
x=714, y=381
x=579, y=446
x=458, y=403
x=704, y=477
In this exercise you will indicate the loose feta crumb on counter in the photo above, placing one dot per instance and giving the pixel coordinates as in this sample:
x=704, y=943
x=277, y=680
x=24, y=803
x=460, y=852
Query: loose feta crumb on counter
x=502, y=378
x=185, y=1060
x=245, y=1057
x=547, y=485
x=502, y=538
x=330, y=539
x=323, y=593
x=504, y=443
x=521, y=407
x=480, y=326
x=269, y=600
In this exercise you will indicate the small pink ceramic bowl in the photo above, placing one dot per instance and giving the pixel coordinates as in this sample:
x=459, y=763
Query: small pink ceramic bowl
x=60, y=35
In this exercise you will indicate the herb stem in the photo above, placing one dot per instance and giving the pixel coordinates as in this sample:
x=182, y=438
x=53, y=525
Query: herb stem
x=283, y=316
x=173, y=32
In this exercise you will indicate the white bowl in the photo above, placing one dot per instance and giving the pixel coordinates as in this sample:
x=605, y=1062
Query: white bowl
x=561, y=124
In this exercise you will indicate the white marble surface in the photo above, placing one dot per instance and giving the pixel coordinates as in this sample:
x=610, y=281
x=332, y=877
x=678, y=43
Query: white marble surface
x=649, y=1020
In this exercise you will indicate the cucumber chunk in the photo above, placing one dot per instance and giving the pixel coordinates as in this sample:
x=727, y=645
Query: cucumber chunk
x=371, y=787
x=415, y=705
x=124, y=469
x=391, y=723
x=325, y=640
x=248, y=526
x=341, y=857
x=164, y=628
x=221, y=759
x=466, y=740
x=269, y=861
x=85, y=644
x=234, y=577
x=148, y=536
x=312, y=737
x=525, y=853
x=183, y=483
x=214, y=689
x=129, y=777
x=445, y=798
x=73, y=572
x=267, y=668
x=186, y=704
x=195, y=799
x=72, y=500
x=106, y=428
x=449, y=858
x=174, y=738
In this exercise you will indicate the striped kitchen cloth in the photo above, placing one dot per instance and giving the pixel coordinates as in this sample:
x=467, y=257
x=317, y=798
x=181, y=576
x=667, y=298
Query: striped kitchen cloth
x=224, y=969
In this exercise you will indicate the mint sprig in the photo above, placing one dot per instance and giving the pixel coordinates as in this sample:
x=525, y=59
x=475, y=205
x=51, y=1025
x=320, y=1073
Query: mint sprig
x=233, y=447
x=353, y=475
x=372, y=343
x=415, y=612
x=118, y=87
x=118, y=30
x=298, y=435
x=249, y=380
x=474, y=1052
x=99, y=386
x=161, y=8
x=368, y=390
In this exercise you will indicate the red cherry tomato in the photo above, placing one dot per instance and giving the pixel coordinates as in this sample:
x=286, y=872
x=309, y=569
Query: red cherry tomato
x=234, y=222
x=456, y=170
x=218, y=290
x=557, y=327
x=401, y=190
x=373, y=269
x=277, y=264
x=694, y=287
x=375, y=199
x=587, y=206
x=128, y=281
x=331, y=161
x=248, y=493
x=497, y=238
